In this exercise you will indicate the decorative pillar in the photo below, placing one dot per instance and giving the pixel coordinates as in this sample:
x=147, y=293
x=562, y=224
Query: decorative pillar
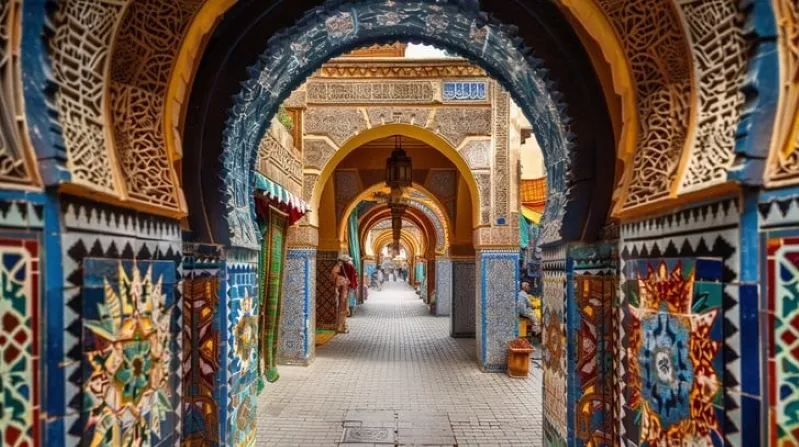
x=203, y=270
x=589, y=325
x=297, y=338
x=497, y=317
x=430, y=272
x=325, y=289
x=464, y=298
x=554, y=344
x=238, y=394
x=443, y=286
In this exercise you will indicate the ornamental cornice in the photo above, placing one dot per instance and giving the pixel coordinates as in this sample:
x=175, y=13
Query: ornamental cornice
x=358, y=68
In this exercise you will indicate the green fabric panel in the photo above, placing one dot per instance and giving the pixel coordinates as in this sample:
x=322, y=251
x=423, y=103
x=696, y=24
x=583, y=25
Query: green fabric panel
x=354, y=243
x=524, y=232
x=271, y=268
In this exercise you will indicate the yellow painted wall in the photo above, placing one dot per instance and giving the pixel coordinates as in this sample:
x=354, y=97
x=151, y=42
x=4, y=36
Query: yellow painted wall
x=327, y=218
x=463, y=216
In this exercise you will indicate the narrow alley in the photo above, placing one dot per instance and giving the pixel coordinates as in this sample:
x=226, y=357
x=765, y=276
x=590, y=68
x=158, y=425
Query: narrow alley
x=398, y=378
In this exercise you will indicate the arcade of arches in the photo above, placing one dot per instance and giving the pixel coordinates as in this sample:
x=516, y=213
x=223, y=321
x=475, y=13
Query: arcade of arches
x=179, y=177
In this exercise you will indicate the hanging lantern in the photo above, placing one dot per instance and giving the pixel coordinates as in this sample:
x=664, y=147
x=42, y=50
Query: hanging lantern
x=397, y=212
x=399, y=171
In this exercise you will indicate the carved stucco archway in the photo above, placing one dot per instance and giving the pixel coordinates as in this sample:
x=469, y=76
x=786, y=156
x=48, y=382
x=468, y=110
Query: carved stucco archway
x=410, y=243
x=430, y=206
x=414, y=217
x=410, y=224
x=387, y=130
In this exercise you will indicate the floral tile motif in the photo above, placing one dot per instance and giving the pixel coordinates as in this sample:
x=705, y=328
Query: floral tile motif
x=593, y=373
x=129, y=390
x=19, y=320
x=554, y=357
x=675, y=369
x=200, y=360
x=783, y=349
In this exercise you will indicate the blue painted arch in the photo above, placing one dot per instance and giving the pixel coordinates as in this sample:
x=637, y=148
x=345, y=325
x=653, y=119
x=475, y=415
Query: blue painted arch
x=298, y=51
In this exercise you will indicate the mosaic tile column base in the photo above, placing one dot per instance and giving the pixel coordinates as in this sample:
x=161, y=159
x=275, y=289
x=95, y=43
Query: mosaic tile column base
x=497, y=317
x=464, y=299
x=298, y=315
x=443, y=287
x=239, y=392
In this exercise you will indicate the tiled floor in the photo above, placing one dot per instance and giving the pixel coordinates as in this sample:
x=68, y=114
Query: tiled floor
x=398, y=379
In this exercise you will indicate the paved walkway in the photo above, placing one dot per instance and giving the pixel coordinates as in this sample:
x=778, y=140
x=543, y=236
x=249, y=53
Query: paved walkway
x=398, y=379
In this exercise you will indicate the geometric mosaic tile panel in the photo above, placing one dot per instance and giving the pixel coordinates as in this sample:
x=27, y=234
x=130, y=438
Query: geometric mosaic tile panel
x=200, y=359
x=553, y=344
x=130, y=352
x=783, y=349
x=594, y=297
x=19, y=343
x=675, y=369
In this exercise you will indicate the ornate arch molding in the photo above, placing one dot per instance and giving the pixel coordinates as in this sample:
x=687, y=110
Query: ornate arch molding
x=413, y=216
x=17, y=163
x=431, y=222
x=477, y=192
x=406, y=239
x=325, y=33
x=421, y=240
x=422, y=195
x=783, y=165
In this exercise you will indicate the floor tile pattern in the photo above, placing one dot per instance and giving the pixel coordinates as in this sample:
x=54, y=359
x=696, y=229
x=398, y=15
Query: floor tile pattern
x=399, y=369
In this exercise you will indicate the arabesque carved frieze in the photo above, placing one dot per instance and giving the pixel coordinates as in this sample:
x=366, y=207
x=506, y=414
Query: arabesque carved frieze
x=455, y=124
x=784, y=164
x=720, y=57
x=343, y=92
x=337, y=123
x=403, y=115
x=144, y=53
x=277, y=159
x=477, y=153
x=316, y=153
x=483, y=180
x=308, y=185
x=501, y=174
x=80, y=54
x=13, y=163
x=651, y=34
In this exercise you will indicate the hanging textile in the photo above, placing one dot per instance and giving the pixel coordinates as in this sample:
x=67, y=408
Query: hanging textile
x=272, y=260
x=524, y=231
x=355, y=252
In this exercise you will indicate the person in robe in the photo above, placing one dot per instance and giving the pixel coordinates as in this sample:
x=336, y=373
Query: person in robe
x=526, y=310
x=339, y=275
x=365, y=289
x=380, y=279
x=352, y=277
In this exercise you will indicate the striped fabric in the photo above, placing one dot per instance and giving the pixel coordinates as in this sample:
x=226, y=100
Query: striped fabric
x=273, y=191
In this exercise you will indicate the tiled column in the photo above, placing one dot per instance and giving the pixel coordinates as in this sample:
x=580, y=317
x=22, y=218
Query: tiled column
x=554, y=345
x=239, y=354
x=443, y=287
x=298, y=315
x=325, y=289
x=464, y=298
x=497, y=317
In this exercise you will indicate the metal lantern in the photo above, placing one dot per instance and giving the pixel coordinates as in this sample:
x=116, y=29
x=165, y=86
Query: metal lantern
x=399, y=171
x=397, y=212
